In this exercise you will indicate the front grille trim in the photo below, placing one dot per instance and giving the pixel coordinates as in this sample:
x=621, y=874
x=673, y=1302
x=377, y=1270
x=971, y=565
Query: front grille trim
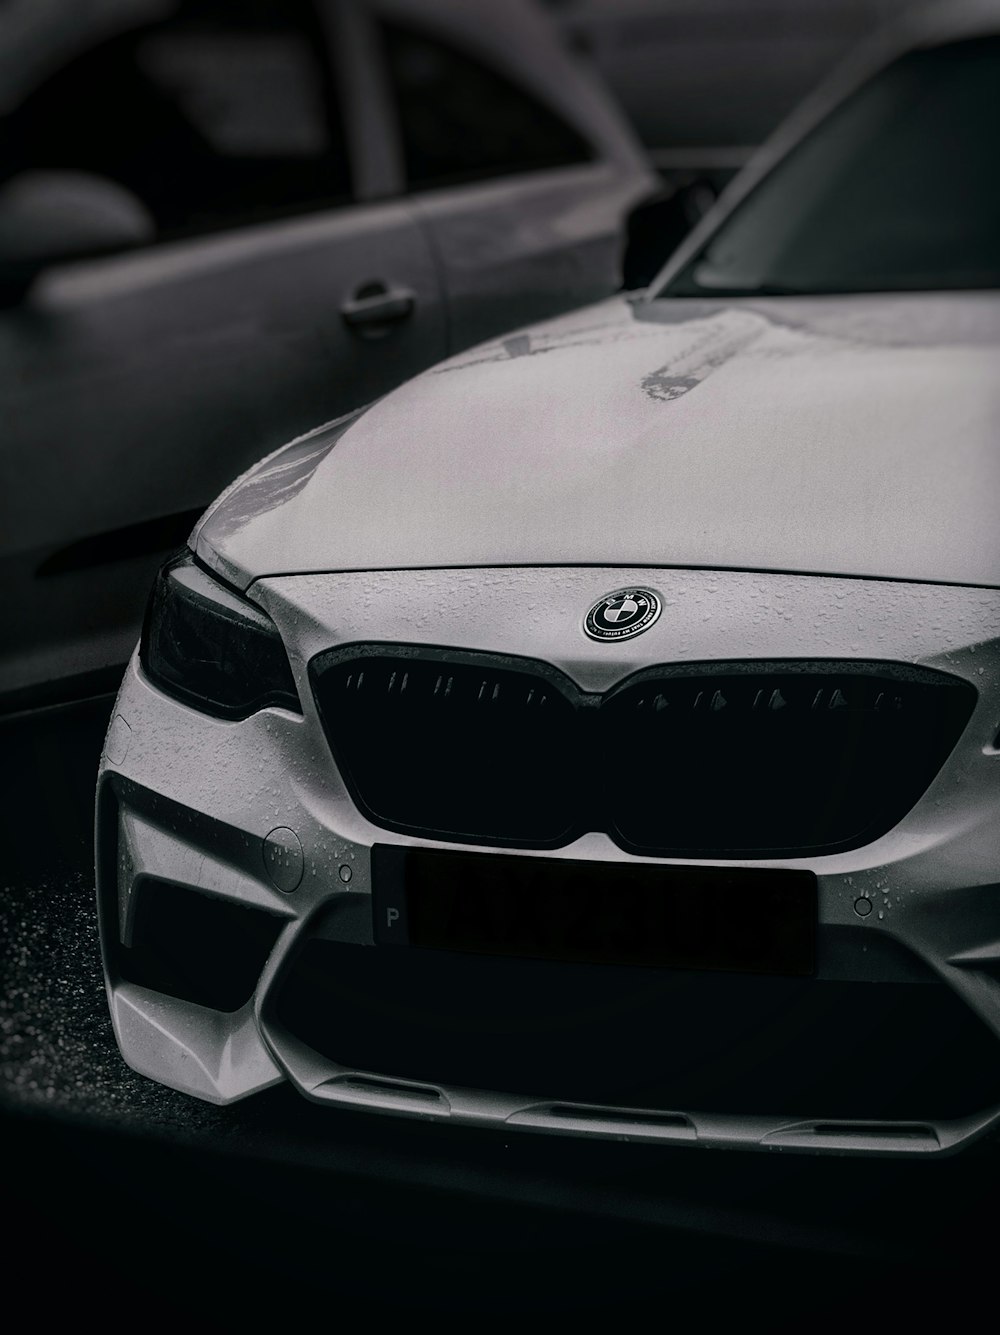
x=953, y=700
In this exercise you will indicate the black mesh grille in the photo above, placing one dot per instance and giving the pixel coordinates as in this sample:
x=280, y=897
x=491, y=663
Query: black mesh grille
x=792, y=759
x=452, y=746
x=720, y=759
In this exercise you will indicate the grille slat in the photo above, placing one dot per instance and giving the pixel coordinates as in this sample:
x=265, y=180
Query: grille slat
x=693, y=760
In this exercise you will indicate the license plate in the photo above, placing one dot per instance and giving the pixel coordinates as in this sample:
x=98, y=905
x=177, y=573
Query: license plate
x=750, y=920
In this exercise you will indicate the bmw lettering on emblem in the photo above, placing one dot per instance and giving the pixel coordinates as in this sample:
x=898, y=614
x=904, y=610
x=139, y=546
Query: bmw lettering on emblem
x=623, y=614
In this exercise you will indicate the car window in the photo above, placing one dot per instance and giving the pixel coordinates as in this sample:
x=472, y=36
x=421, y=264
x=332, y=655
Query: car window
x=897, y=189
x=461, y=121
x=220, y=115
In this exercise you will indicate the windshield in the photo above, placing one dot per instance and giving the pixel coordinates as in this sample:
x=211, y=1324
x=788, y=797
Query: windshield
x=898, y=189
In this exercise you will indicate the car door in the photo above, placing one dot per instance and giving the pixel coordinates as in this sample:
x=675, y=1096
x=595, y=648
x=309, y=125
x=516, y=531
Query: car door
x=517, y=161
x=272, y=298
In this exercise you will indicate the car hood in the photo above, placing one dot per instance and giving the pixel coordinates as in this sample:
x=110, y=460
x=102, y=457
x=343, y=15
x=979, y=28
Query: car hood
x=839, y=435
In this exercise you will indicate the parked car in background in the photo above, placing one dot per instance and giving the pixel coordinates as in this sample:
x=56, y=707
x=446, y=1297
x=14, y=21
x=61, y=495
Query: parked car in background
x=225, y=221
x=599, y=734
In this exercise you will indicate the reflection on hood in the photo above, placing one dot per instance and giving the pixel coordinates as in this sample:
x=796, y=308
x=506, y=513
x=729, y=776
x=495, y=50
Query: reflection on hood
x=841, y=435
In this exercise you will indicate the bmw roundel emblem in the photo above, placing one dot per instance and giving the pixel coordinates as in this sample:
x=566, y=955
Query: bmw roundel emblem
x=623, y=614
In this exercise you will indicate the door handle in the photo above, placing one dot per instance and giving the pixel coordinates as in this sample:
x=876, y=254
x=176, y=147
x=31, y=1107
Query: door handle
x=374, y=306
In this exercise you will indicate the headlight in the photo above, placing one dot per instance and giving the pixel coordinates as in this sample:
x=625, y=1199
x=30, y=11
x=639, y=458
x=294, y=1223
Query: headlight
x=210, y=648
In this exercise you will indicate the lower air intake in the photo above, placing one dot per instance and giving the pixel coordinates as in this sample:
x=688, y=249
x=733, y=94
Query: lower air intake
x=195, y=947
x=641, y=1038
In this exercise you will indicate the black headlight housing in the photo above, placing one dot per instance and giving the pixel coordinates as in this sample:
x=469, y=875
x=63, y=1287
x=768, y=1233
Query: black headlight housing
x=210, y=648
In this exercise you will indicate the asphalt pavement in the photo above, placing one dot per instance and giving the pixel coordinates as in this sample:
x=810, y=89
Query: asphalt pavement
x=275, y=1201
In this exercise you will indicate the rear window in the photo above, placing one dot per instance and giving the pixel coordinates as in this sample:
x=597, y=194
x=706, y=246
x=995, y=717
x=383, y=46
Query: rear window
x=222, y=114
x=462, y=121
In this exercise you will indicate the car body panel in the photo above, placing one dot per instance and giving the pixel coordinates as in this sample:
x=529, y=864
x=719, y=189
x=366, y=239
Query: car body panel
x=841, y=435
x=204, y=823
x=509, y=251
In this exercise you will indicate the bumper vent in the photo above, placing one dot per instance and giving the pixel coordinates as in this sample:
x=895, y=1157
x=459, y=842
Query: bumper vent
x=700, y=760
x=194, y=947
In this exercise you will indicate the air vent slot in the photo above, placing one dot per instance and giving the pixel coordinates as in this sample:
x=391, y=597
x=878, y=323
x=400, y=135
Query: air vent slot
x=386, y=1089
x=872, y=1130
x=568, y=1112
x=846, y=1136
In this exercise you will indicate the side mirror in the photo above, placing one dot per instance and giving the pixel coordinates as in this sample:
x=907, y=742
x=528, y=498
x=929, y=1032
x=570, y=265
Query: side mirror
x=49, y=216
x=656, y=227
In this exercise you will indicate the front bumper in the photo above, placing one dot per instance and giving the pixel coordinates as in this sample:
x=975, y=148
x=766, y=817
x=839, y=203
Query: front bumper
x=254, y=815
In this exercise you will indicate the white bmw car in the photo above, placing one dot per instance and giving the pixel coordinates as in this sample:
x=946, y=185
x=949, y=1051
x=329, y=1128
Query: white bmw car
x=601, y=733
